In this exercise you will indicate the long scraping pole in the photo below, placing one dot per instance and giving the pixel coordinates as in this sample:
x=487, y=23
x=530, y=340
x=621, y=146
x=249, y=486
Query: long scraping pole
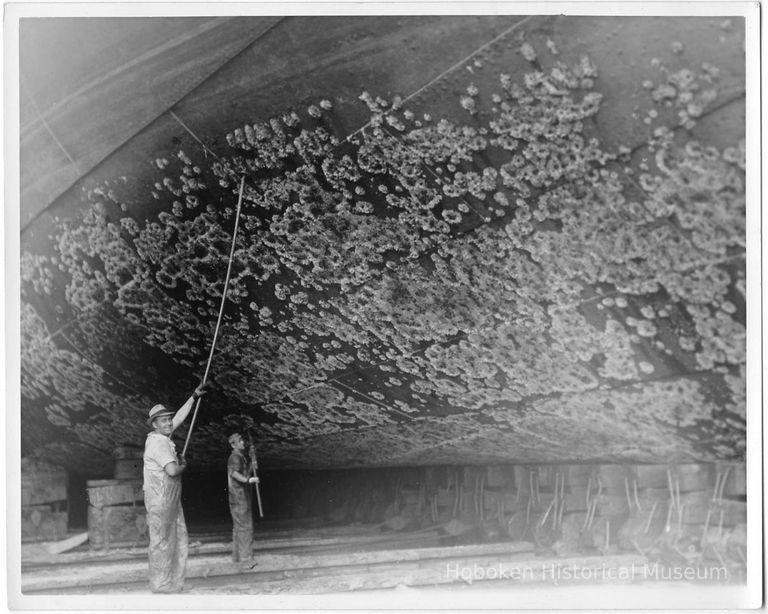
x=221, y=310
x=254, y=466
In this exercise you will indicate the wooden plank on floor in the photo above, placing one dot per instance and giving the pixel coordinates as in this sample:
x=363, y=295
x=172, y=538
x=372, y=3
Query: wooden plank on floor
x=205, y=566
x=514, y=568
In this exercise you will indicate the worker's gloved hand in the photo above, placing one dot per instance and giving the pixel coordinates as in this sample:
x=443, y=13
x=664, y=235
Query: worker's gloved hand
x=253, y=480
x=201, y=390
x=182, y=461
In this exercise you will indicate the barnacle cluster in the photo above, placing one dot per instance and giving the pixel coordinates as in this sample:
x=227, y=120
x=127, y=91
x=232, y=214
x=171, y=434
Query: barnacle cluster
x=73, y=391
x=491, y=269
x=687, y=91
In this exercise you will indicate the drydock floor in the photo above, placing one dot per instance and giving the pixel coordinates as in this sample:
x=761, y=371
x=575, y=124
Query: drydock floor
x=334, y=560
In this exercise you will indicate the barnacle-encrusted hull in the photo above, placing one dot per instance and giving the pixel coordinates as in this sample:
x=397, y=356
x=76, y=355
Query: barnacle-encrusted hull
x=466, y=239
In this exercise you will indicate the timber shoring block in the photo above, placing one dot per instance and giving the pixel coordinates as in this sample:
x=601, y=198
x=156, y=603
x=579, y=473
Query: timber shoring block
x=651, y=476
x=736, y=479
x=116, y=523
x=114, y=492
x=694, y=476
x=576, y=475
x=41, y=522
x=613, y=477
x=42, y=482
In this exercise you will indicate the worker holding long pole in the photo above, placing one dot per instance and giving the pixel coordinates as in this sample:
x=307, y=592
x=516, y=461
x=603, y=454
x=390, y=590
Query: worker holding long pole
x=162, y=498
x=254, y=471
x=240, y=500
x=163, y=469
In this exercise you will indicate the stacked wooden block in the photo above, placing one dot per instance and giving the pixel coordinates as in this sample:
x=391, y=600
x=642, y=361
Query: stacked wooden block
x=43, y=501
x=116, y=513
x=129, y=464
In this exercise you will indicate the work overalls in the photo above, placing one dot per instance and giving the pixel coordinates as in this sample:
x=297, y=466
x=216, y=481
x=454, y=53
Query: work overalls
x=240, y=506
x=168, y=543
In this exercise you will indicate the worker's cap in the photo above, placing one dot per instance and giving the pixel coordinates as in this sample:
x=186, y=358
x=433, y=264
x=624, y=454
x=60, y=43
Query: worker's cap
x=157, y=411
x=234, y=436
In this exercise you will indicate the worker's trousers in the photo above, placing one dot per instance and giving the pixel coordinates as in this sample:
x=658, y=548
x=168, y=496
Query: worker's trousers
x=242, y=526
x=168, y=544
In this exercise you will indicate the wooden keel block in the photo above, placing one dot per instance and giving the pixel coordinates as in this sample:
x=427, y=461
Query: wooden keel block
x=522, y=479
x=470, y=475
x=116, y=523
x=546, y=476
x=42, y=482
x=651, y=476
x=736, y=480
x=613, y=477
x=114, y=492
x=694, y=476
x=41, y=522
x=576, y=475
x=499, y=475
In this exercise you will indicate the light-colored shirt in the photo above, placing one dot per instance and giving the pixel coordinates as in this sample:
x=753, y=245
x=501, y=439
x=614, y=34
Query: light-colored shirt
x=159, y=450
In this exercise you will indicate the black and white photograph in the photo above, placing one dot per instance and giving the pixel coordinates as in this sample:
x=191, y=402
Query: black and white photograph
x=383, y=306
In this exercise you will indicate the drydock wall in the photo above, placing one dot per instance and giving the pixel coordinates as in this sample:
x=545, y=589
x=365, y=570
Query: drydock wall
x=691, y=515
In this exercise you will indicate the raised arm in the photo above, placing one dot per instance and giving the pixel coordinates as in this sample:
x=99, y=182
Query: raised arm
x=183, y=412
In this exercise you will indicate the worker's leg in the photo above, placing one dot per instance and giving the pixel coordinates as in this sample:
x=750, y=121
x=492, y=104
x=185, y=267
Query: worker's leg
x=248, y=528
x=242, y=530
x=180, y=556
x=245, y=541
x=162, y=548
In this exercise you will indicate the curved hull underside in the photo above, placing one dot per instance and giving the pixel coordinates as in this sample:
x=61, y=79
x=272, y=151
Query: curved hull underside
x=463, y=239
